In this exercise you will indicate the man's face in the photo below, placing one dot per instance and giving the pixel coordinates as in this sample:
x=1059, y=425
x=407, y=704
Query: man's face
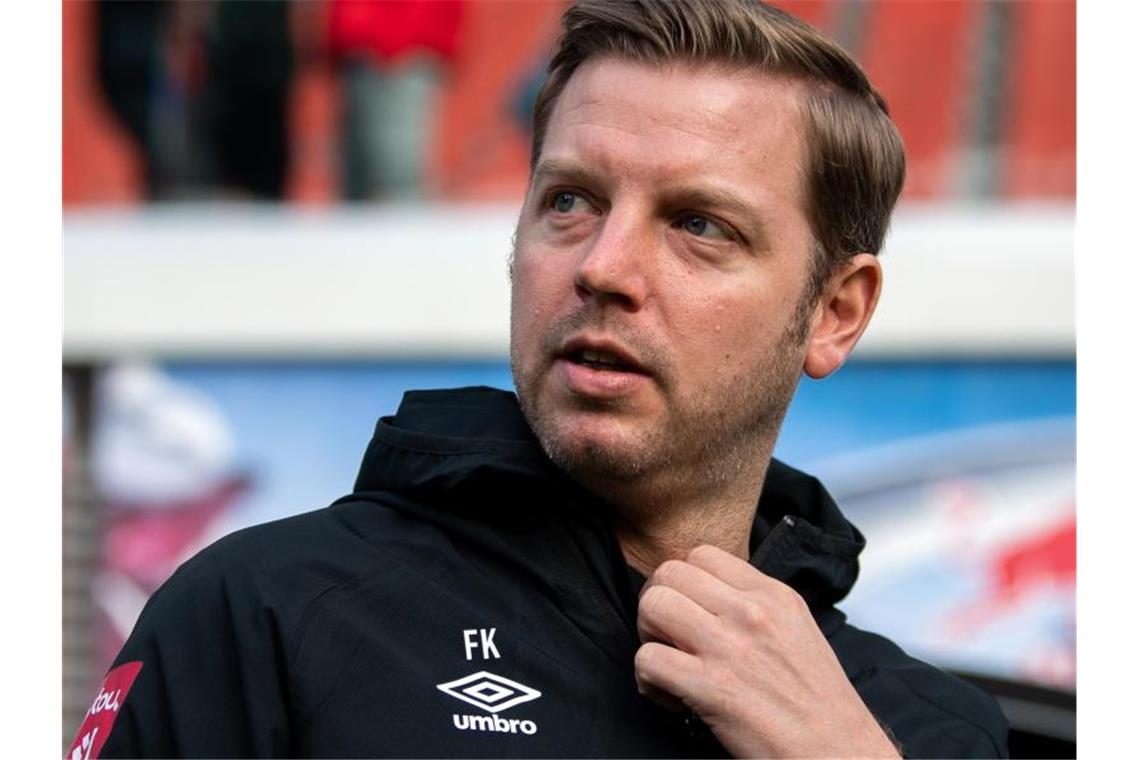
x=660, y=258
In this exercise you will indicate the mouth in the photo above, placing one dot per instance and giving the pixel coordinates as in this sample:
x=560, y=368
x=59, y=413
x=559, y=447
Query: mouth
x=601, y=356
x=599, y=361
x=600, y=370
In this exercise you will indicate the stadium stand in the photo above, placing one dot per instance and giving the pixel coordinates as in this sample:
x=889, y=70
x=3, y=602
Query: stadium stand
x=1042, y=125
x=933, y=61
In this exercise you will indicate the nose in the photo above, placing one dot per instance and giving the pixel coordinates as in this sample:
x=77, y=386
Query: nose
x=615, y=267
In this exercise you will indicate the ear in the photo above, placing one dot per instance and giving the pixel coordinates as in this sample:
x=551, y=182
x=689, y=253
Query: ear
x=843, y=311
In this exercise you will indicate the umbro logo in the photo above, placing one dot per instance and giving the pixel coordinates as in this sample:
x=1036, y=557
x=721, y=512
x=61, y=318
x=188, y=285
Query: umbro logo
x=490, y=692
x=487, y=691
x=494, y=694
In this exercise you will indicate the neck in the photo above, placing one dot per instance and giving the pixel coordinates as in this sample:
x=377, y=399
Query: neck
x=658, y=521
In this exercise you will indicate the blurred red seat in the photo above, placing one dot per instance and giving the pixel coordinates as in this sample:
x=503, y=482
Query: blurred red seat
x=1041, y=123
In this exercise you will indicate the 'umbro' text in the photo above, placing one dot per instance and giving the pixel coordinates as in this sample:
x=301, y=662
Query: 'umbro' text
x=493, y=723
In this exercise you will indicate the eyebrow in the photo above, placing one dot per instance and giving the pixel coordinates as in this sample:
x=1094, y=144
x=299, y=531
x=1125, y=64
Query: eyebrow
x=565, y=170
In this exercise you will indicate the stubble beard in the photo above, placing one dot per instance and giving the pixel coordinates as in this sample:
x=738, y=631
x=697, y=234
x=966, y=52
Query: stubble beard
x=708, y=438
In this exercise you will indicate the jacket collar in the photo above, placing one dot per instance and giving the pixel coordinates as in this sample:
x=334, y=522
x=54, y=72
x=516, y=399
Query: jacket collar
x=476, y=440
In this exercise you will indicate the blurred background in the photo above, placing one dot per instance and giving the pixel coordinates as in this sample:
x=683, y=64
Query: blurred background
x=278, y=216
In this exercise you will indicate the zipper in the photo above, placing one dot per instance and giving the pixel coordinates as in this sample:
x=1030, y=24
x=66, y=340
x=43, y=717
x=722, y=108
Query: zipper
x=773, y=539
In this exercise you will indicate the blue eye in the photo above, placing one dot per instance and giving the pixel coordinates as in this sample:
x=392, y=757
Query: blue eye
x=696, y=225
x=701, y=226
x=564, y=202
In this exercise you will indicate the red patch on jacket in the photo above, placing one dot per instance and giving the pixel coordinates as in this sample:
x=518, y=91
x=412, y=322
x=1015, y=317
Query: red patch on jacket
x=103, y=711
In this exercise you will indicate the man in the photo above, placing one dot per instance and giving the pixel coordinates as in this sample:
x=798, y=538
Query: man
x=613, y=566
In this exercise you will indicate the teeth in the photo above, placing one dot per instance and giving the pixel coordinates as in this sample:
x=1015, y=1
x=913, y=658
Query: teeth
x=598, y=358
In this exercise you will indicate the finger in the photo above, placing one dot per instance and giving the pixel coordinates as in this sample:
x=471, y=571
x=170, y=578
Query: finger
x=761, y=602
x=665, y=614
x=697, y=584
x=667, y=675
x=729, y=568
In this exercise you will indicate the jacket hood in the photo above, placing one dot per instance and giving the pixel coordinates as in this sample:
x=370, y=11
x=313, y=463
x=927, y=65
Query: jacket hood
x=475, y=442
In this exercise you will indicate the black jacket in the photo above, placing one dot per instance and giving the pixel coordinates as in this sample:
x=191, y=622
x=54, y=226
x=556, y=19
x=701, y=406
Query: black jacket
x=468, y=599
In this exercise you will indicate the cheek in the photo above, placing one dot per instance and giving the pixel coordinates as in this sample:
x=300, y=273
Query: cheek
x=537, y=289
x=718, y=326
x=532, y=294
x=739, y=329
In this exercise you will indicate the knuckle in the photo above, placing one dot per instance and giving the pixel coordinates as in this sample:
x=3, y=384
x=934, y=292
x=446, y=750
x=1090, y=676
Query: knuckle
x=652, y=600
x=755, y=615
x=704, y=551
x=645, y=659
x=668, y=571
x=789, y=598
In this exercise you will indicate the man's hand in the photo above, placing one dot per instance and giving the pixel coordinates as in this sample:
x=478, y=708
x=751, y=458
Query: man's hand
x=742, y=651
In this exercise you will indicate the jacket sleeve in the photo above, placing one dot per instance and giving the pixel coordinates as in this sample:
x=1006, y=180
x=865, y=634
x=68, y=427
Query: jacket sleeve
x=927, y=712
x=210, y=678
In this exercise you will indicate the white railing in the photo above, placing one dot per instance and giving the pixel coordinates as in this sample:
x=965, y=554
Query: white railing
x=431, y=282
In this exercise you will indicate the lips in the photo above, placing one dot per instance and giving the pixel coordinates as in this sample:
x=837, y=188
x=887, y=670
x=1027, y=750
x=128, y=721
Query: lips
x=600, y=369
x=601, y=356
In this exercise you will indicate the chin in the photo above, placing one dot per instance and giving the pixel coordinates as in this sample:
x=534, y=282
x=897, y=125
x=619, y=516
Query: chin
x=594, y=446
x=591, y=439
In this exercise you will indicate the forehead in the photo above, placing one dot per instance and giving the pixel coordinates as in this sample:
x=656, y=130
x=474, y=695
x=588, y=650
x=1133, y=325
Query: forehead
x=678, y=119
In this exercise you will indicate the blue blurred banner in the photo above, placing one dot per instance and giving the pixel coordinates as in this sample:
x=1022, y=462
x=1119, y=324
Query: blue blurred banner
x=960, y=473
